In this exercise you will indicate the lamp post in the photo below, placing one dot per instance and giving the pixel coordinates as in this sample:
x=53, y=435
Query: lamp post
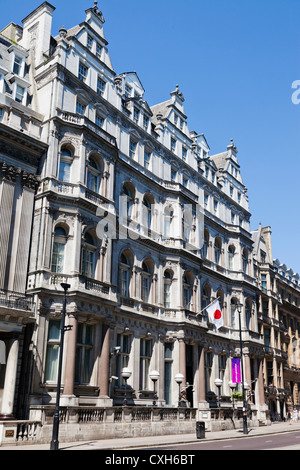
x=218, y=383
x=154, y=376
x=126, y=373
x=245, y=429
x=179, y=379
x=54, y=443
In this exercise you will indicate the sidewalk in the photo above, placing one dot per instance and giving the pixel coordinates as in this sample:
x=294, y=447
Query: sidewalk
x=136, y=442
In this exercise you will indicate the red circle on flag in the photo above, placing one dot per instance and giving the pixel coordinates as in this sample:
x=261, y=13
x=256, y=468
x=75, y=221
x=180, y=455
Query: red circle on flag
x=217, y=314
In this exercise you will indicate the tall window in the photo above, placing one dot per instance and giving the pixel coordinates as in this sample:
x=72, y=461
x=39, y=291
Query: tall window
x=205, y=299
x=82, y=72
x=145, y=358
x=88, y=256
x=205, y=244
x=245, y=260
x=132, y=148
x=231, y=252
x=128, y=194
x=218, y=246
x=93, y=175
x=100, y=86
x=222, y=368
x=146, y=277
x=124, y=275
x=17, y=65
x=20, y=94
x=147, y=214
x=80, y=108
x=58, y=250
x=84, y=350
x=65, y=165
x=147, y=158
x=52, y=353
x=168, y=218
x=168, y=276
x=173, y=144
x=187, y=291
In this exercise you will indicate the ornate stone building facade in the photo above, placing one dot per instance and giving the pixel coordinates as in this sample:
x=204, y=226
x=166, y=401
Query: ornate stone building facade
x=146, y=227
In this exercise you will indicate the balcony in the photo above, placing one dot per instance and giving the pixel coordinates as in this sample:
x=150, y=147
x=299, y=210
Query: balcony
x=16, y=301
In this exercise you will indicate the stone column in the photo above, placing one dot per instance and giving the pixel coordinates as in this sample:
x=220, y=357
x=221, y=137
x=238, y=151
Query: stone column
x=10, y=379
x=70, y=357
x=201, y=370
x=104, y=363
x=261, y=390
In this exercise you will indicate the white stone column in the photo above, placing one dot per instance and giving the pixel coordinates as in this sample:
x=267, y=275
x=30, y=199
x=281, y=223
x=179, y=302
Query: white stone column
x=10, y=379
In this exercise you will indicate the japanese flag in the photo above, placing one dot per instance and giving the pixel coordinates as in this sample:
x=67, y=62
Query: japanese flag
x=215, y=315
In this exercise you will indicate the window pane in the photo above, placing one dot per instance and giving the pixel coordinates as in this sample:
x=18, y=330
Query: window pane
x=51, y=362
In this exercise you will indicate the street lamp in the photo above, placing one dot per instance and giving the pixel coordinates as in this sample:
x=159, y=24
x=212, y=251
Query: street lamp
x=126, y=373
x=54, y=443
x=154, y=376
x=245, y=429
x=218, y=383
x=179, y=379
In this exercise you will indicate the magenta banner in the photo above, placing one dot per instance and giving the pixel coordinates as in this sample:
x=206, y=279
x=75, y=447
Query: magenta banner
x=236, y=370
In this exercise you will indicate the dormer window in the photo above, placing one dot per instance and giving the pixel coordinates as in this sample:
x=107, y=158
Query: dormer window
x=128, y=90
x=89, y=42
x=145, y=122
x=100, y=86
x=173, y=144
x=18, y=62
x=82, y=72
x=98, y=50
x=20, y=94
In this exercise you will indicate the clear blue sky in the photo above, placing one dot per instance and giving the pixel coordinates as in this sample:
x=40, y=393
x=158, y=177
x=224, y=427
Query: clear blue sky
x=235, y=62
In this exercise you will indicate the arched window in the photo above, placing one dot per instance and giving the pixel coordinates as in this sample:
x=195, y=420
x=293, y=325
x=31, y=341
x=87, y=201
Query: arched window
x=218, y=247
x=234, y=319
x=147, y=213
x=206, y=295
x=168, y=219
x=245, y=260
x=231, y=251
x=168, y=277
x=58, y=250
x=188, y=280
x=125, y=270
x=88, y=256
x=66, y=158
x=94, y=173
x=128, y=195
x=248, y=312
x=205, y=243
x=187, y=223
x=146, y=278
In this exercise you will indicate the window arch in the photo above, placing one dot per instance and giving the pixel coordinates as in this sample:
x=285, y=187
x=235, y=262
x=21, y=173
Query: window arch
x=128, y=193
x=94, y=173
x=218, y=250
x=125, y=265
x=233, y=308
x=245, y=257
x=206, y=295
x=248, y=312
x=58, y=249
x=168, y=278
x=231, y=253
x=147, y=214
x=168, y=219
x=146, y=279
x=188, y=282
x=89, y=255
x=66, y=159
x=205, y=243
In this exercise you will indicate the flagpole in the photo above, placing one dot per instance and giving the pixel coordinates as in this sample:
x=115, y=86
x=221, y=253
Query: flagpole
x=199, y=313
